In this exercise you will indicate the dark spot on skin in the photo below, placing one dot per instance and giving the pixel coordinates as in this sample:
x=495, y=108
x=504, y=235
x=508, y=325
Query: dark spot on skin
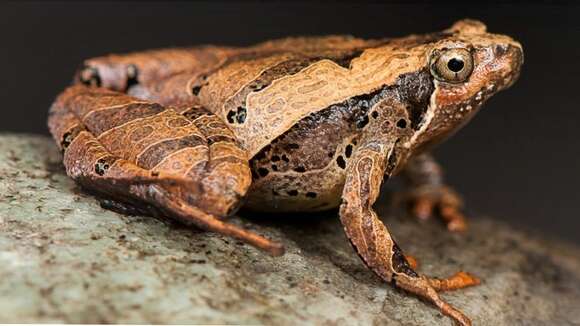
x=132, y=76
x=285, y=158
x=292, y=192
x=293, y=146
x=330, y=154
x=195, y=90
x=154, y=173
x=311, y=194
x=238, y=116
x=241, y=115
x=231, y=116
x=66, y=140
x=364, y=120
x=375, y=114
x=90, y=76
x=274, y=167
x=263, y=172
x=402, y=123
x=500, y=50
x=275, y=158
x=341, y=162
x=101, y=166
x=69, y=136
x=300, y=169
x=348, y=151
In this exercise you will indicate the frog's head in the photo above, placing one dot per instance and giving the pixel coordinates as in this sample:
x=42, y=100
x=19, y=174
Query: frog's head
x=467, y=66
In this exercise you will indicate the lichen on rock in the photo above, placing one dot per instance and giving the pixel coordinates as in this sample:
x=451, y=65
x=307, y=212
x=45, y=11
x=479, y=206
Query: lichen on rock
x=65, y=259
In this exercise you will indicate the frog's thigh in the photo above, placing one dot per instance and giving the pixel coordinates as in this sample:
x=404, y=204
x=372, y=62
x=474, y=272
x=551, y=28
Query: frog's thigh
x=211, y=183
x=226, y=174
x=123, y=179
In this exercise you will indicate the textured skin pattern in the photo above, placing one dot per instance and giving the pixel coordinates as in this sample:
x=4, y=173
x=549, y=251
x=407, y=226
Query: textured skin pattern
x=298, y=124
x=160, y=140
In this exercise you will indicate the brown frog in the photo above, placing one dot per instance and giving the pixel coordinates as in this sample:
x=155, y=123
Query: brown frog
x=297, y=124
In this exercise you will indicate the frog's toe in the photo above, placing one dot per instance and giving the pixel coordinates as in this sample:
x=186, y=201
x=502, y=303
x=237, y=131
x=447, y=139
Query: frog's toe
x=457, y=281
x=427, y=201
x=453, y=217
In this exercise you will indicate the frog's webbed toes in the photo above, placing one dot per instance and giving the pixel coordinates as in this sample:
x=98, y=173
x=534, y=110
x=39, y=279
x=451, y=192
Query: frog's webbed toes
x=426, y=201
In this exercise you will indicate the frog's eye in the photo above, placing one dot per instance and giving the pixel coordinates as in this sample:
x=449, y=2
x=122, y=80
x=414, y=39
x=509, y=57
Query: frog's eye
x=452, y=65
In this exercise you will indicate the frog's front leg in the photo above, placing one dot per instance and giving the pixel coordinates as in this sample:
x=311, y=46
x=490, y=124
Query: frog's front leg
x=429, y=195
x=372, y=239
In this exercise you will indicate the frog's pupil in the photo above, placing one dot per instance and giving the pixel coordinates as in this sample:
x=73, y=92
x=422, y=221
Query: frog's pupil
x=455, y=65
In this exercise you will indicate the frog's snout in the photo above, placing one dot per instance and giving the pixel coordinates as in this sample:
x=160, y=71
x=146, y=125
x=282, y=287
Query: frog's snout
x=513, y=56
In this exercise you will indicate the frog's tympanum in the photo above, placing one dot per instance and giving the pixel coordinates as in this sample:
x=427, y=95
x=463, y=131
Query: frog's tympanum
x=296, y=124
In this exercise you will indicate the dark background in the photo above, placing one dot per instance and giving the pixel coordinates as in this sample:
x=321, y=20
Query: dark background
x=518, y=160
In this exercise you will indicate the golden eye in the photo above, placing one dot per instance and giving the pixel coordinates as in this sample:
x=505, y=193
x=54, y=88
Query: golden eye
x=452, y=65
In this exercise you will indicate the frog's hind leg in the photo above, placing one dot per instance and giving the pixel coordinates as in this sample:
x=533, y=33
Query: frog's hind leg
x=428, y=195
x=197, y=197
x=121, y=176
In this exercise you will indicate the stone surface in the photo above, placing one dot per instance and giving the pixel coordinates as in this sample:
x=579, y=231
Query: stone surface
x=65, y=259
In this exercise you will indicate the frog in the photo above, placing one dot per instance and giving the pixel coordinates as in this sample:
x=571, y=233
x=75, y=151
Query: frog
x=299, y=124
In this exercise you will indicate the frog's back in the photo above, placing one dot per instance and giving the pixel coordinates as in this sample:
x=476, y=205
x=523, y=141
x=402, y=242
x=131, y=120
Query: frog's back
x=262, y=91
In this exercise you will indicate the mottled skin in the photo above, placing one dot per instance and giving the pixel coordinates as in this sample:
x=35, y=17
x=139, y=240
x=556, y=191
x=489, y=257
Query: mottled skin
x=298, y=124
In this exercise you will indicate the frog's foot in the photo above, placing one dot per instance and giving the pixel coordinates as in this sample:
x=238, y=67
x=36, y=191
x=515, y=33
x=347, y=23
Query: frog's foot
x=428, y=200
x=429, y=288
x=457, y=281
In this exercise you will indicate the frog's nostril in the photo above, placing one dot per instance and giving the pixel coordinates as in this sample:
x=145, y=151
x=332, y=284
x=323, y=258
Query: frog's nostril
x=501, y=49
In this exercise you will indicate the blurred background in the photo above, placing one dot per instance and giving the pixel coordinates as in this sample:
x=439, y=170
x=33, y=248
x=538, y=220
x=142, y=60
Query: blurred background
x=518, y=160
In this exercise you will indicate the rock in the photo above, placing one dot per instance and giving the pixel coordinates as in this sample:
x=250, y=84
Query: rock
x=64, y=259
